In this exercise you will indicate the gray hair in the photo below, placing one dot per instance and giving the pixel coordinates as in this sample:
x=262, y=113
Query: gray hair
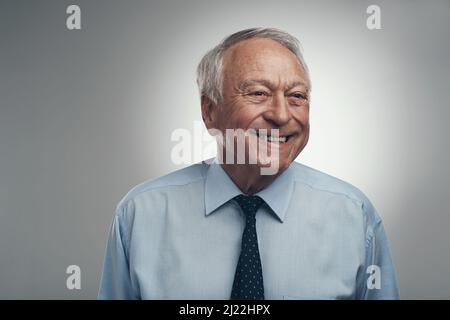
x=209, y=70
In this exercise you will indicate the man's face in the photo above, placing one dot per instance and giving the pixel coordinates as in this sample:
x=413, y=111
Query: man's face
x=264, y=87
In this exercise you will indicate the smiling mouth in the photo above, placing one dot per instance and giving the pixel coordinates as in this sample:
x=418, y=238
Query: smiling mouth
x=272, y=139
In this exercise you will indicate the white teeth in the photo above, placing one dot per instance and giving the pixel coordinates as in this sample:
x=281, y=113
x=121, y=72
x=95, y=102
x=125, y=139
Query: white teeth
x=273, y=139
x=277, y=139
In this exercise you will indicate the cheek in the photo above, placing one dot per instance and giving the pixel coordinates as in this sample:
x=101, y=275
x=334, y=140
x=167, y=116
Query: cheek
x=302, y=117
x=243, y=117
x=228, y=117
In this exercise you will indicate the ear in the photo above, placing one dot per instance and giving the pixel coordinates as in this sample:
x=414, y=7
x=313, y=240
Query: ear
x=208, y=111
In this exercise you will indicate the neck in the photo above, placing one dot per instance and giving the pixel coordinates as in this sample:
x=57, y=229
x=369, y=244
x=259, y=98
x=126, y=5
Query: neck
x=248, y=178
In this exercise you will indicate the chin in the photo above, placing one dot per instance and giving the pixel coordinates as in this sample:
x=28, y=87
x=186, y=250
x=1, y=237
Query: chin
x=275, y=167
x=283, y=165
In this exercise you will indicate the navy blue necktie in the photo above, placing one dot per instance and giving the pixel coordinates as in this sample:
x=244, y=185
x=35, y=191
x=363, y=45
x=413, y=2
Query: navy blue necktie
x=248, y=279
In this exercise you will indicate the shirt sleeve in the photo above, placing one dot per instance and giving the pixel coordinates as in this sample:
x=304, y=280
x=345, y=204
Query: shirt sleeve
x=115, y=281
x=377, y=277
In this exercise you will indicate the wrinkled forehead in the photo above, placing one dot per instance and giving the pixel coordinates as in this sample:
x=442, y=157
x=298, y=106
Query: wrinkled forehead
x=261, y=58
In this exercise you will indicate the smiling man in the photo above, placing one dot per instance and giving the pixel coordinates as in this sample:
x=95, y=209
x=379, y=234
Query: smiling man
x=227, y=229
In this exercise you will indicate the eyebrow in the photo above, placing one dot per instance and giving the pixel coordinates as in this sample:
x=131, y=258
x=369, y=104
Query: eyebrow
x=270, y=84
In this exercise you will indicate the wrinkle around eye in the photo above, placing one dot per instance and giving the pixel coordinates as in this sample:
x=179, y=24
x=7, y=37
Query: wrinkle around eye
x=258, y=93
x=256, y=98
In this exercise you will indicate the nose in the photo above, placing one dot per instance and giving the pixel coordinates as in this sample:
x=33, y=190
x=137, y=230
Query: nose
x=278, y=112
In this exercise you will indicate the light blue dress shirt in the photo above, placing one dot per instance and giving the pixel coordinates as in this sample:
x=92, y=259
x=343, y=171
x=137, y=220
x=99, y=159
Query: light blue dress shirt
x=179, y=237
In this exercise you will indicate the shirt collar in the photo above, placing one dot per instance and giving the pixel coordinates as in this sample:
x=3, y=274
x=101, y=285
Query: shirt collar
x=219, y=189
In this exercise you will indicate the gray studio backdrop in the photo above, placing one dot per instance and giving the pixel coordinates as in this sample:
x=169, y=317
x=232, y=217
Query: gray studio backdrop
x=87, y=114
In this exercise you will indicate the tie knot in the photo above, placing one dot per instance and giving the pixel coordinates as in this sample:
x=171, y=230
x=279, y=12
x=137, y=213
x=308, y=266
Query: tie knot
x=249, y=204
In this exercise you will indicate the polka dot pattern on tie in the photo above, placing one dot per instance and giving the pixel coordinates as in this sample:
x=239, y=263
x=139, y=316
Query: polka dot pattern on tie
x=248, y=280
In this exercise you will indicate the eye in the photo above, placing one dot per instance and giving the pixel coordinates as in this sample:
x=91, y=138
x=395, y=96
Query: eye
x=259, y=93
x=298, y=95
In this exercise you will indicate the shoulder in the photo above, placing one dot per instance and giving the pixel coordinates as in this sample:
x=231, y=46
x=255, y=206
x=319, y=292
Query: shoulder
x=180, y=178
x=325, y=183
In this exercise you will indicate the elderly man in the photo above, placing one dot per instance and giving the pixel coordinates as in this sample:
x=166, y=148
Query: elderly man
x=227, y=230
